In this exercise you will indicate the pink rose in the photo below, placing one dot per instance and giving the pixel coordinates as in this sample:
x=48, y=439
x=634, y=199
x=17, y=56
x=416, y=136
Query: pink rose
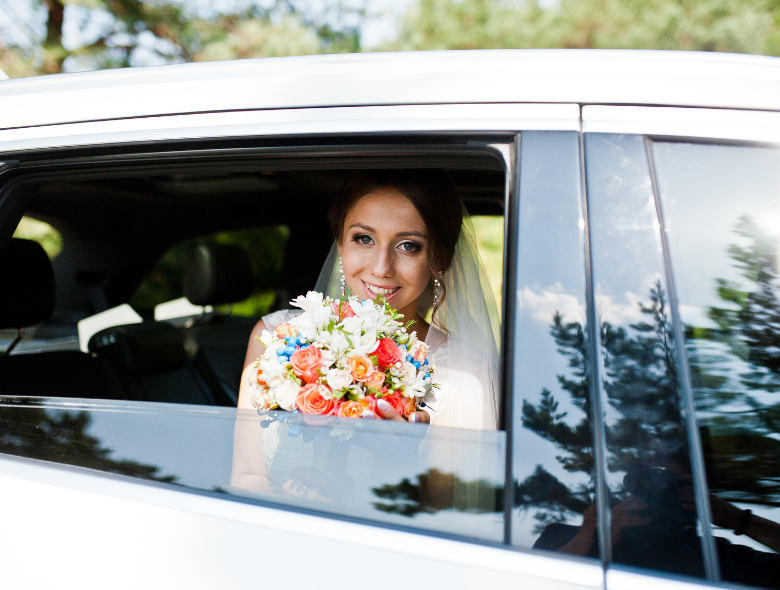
x=305, y=362
x=315, y=399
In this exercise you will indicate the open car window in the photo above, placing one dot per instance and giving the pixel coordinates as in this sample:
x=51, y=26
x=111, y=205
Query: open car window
x=156, y=399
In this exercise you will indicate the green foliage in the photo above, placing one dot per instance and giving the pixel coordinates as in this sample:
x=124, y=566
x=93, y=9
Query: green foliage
x=740, y=26
x=133, y=32
x=41, y=232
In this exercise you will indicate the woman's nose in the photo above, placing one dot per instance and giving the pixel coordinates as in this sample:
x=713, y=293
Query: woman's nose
x=383, y=264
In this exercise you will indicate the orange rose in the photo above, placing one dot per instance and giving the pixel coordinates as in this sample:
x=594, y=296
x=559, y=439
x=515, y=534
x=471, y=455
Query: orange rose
x=315, y=399
x=343, y=310
x=376, y=380
x=350, y=410
x=362, y=367
x=306, y=359
x=283, y=330
x=369, y=403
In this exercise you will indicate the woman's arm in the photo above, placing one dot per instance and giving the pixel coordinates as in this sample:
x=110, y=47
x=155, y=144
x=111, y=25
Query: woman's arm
x=254, y=351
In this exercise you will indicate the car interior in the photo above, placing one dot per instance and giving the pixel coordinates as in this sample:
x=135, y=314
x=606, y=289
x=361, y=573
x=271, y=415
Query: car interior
x=118, y=223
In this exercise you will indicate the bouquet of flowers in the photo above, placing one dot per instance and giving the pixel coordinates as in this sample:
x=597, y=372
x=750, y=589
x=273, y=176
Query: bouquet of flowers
x=338, y=357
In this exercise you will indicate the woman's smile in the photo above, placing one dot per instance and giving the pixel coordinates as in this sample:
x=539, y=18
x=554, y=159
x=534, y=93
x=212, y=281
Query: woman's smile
x=375, y=290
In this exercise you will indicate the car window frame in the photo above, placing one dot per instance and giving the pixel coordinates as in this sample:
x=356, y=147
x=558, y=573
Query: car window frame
x=686, y=125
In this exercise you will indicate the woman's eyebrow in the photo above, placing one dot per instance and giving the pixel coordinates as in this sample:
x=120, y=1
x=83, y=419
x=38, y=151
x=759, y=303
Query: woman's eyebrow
x=399, y=234
x=361, y=226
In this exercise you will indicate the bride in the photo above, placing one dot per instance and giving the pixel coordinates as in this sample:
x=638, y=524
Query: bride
x=397, y=233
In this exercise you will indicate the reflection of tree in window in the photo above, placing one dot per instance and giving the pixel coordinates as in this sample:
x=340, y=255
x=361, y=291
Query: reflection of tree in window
x=62, y=437
x=740, y=427
x=641, y=383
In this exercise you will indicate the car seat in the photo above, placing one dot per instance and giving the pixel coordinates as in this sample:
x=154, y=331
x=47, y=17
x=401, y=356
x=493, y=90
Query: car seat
x=219, y=274
x=150, y=364
x=26, y=299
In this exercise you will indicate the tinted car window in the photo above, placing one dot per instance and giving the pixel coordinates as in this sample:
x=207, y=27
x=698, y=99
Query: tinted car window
x=552, y=454
x=652, y=516
x=409, y=475
x=721, y=208
x=265, y=248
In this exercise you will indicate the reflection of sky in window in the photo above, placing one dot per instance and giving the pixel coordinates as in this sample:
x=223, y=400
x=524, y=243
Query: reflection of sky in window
x=704, y=190
x=550, y=279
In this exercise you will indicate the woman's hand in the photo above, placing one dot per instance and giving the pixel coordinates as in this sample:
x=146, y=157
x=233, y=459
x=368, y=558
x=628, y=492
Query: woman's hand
x=387, y=412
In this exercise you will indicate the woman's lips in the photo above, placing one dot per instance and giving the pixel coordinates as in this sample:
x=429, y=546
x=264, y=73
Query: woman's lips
x=387, y=292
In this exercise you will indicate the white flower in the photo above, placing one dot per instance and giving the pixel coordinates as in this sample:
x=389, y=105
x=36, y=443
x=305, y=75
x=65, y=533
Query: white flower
x=310, y=303
x=408, y=373
x=273, y=371
x=338, y=343
x=328, y=358
x=419, y=389
x=286, y=394
x=338, y=379
x=267, y=338
x=365, y=344
x=257, y=397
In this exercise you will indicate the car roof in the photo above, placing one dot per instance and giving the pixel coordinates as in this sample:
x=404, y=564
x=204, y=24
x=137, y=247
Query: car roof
x=677, y=78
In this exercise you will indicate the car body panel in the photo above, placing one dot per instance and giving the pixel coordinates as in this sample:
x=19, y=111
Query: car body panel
x=148, y=536
x=492, y=76
x=683, y=122
x=286, y=122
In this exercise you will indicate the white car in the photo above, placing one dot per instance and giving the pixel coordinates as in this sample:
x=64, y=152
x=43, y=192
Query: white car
x=637, y=196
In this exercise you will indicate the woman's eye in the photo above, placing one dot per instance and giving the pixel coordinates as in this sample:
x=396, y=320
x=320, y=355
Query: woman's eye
x=409, y=247
x=362, y=239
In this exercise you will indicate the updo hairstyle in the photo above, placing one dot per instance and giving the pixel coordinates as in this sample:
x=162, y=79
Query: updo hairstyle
x=432, y=194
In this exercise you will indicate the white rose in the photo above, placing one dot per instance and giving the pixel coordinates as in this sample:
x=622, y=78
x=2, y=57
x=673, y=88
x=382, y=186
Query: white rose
x=338, y=379
x=408, y=373
x=286, y=394
x=257, y=397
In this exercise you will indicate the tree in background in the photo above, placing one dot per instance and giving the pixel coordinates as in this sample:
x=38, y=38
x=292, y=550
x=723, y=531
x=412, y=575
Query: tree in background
x=741, y=26
x=122, y=33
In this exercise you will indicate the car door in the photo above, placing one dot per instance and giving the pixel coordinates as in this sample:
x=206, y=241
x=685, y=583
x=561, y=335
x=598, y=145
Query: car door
x=682, y=206
x=151, y=483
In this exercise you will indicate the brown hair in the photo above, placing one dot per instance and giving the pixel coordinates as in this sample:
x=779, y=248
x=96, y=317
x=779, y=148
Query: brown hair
x=432, y=194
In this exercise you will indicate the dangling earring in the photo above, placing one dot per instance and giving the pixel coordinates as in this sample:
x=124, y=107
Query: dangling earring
x=436, y=292
x=342, y=279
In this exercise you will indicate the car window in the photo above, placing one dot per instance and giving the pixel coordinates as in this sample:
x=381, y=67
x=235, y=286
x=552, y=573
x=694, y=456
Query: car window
x=651, y=517
x=552, y=450
x=438, y=479
x=160, y=403
x=721, y=212
x=53, y=336
x=265, y=248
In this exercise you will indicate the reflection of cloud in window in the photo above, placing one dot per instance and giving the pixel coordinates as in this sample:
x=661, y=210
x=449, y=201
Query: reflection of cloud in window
x=542, y=304
x=618, y=314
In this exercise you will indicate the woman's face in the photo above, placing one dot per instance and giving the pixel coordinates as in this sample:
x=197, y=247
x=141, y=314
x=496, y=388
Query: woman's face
x=384, y=250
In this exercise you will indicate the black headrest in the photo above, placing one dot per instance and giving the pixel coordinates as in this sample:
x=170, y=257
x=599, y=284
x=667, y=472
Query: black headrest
x=140, y=349
x=27, y=294
x=217, y=274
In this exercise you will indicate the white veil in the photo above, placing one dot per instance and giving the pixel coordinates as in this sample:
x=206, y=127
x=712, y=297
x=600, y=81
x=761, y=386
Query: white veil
x=466, y=359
